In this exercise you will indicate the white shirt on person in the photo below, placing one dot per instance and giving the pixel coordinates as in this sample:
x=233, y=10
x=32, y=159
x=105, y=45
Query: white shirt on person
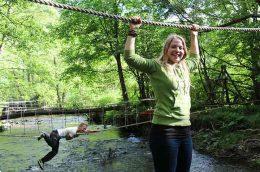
x=70, y=130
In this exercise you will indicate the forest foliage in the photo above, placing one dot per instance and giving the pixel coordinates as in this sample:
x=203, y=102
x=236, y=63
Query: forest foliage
x=64, y=58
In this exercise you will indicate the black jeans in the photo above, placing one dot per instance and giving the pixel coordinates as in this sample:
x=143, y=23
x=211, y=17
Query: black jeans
x=171, y=148
x=53, y=140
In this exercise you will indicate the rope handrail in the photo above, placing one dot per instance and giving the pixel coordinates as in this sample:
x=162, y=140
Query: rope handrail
x=25, y=109
x=135, y=124
x=127, y=20
x=113, y=128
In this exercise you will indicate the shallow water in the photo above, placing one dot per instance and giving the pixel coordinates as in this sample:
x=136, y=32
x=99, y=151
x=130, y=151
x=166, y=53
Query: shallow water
x=100, y=152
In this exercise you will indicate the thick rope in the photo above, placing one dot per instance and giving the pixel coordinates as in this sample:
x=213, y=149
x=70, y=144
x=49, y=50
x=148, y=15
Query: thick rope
x=127, y=20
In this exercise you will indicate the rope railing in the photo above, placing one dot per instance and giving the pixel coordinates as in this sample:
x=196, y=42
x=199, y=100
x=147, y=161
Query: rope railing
x=127, y=20
x=139, y=123
x=25, y=110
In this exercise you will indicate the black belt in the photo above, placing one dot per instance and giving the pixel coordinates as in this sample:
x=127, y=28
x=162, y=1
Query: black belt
x=171, y=131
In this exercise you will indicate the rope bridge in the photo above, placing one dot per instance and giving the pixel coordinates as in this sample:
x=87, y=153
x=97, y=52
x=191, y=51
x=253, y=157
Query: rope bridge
x=128, y=20
x=33, y=125
x=136, y=123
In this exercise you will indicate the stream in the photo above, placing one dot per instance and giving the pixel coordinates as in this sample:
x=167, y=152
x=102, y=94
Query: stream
x=100, y=152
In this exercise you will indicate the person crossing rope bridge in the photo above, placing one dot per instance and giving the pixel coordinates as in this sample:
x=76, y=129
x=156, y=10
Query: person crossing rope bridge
x=127, y=20
x=54, y=137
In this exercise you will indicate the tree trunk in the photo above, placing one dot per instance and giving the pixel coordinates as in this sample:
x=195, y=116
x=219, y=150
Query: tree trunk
x=141, y=83
x=225, y=83
x=118, y=58
x=121, y=77
x=57, y=87
x=209, y=86
x=255, y=55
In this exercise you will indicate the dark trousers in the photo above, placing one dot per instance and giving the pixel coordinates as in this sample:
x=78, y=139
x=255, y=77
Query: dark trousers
x=53, y=140
x=172, y=151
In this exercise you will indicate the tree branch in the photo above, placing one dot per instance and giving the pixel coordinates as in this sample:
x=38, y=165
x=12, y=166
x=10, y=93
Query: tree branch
x=238, y=20
x=224, y=60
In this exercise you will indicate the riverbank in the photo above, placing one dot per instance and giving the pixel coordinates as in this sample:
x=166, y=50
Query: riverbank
x=229, y=133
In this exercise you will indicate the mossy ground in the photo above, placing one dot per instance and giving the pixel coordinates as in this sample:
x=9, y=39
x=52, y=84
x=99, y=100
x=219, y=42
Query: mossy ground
x=231, y=133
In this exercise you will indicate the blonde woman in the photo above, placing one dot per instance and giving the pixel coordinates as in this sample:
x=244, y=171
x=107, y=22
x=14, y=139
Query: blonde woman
x=170, y=139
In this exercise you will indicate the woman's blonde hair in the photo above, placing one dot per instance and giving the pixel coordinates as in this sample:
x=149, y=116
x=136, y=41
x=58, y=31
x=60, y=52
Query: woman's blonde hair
x=164, y=59
x=82, y=124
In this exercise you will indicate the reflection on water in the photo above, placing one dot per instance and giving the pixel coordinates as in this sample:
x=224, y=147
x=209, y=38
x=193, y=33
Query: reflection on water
x=83, y=154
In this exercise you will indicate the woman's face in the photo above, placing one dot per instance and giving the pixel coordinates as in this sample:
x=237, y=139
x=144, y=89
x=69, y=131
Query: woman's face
x=175, y=51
